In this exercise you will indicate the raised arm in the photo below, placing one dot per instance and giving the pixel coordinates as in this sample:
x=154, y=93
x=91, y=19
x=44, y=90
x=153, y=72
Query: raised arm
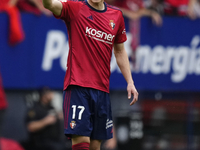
x=54, y=6
x=123, y=63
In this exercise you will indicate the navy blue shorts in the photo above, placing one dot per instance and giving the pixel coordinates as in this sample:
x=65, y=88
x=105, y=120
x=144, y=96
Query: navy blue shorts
x=87, y=112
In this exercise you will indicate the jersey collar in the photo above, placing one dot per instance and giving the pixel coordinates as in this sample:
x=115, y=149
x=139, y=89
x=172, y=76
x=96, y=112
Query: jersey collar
x=101, y=11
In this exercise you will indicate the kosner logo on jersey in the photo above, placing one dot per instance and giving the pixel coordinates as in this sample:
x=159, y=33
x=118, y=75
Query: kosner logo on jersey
x=177, y=61
x=99, y=35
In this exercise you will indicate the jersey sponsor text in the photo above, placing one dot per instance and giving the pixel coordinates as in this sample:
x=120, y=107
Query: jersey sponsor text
x=99, y=35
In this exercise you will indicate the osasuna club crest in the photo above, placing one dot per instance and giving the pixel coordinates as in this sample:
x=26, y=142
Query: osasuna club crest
x=73, y=124
x=112, y=24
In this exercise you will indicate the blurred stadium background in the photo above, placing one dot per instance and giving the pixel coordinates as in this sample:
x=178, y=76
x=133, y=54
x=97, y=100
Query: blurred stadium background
x=166, y=74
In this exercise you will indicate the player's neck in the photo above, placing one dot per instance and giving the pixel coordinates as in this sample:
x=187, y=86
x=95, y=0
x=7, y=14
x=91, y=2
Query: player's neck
x=97, y=4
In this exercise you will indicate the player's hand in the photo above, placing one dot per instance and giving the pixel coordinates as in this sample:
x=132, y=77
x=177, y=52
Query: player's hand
x=132, y=91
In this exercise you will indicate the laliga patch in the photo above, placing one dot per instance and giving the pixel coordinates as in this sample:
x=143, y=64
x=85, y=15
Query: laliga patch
x=73, y=124
x=112, y=24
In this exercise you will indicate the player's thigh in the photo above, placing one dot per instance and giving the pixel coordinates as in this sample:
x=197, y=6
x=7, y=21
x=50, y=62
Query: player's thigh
x=95, y=144
x=102, y=117
x=76, y=139
x=77, y=114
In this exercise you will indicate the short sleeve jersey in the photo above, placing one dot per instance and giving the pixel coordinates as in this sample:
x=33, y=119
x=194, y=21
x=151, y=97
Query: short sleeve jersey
x=3, y=2
x=92, y=34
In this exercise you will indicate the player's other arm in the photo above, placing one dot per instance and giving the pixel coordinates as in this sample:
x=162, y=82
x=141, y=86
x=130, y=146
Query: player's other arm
x=123, y=63
x=54, y=6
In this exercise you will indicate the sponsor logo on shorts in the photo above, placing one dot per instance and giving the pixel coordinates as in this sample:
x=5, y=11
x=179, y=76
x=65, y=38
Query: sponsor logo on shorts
x=73, y=124
x=109, y=123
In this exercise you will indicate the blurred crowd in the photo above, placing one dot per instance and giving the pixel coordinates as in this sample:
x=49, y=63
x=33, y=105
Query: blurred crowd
x=133, y=9
x=13, y=9
x=163, y=7
x=188, y=8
